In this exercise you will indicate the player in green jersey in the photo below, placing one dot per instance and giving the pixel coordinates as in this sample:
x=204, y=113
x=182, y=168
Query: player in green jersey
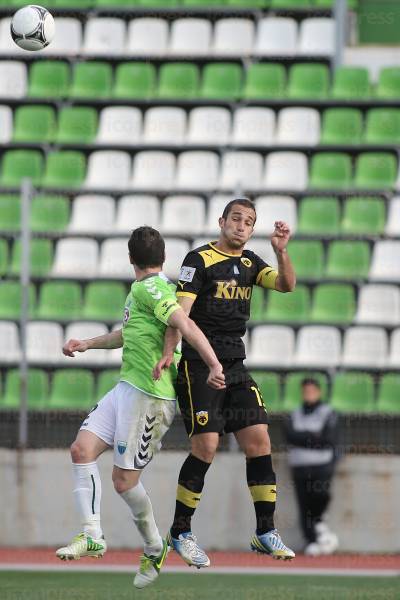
x=134, y=416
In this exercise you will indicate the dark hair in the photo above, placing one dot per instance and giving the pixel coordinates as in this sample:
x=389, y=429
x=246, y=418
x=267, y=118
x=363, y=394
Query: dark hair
x=242, y=202
x=146, y=247
x=310, y=381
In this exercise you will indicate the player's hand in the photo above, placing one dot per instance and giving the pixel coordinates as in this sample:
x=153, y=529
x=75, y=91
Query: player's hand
x=216, y=378
x=164, y=363
x=74, y=346
x=280, y=236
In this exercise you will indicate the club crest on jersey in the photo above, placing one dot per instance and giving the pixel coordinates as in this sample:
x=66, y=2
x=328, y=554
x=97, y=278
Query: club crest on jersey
x=202, y=417
x=187, y=274
x=246, y=261
x=126, y=314
x=121, y=446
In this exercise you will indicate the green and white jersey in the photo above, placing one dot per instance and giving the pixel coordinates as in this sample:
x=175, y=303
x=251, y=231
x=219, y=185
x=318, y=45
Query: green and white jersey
x=148, y=307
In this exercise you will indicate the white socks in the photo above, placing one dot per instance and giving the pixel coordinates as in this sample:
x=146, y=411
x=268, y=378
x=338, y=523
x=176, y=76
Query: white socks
x=87, y=494
x=142, y=512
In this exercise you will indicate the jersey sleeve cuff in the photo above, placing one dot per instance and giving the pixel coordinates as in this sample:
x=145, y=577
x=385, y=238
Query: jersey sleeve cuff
x=267, y=278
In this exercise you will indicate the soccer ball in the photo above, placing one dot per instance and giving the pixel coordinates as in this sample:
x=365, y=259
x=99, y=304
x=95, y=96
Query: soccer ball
x=32, y=27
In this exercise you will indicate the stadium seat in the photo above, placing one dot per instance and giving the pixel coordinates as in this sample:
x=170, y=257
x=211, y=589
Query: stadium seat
x=317, y=37
x=233, y=37
x=108, y=169
x=197, y=171
x=378, y=304
x=147, y=37
x=86, y=330
x=394, y=358
x=382, y=126
x=385, y=263
x=7, y=45
x=393, y=219
x=13, y=79
x=353, y=392
x=92, y=214
x=104, y=36
x=269, y=386
x=351, y=83
x=318, y=346
x=18, y=164
x=365, y=347
x=264, y=251
x=298, y=127
x=44, y=343
x=190, y=37
x=257, y=304
x=133, y=211
x=221, y=81
x=253, y=126
x=76, y=125
x=268, y=207
x=4, y=256
x=216, y=207
x=388, y=83
x=209, y=125
x=91, y=80
x=72, y=389
x=375, y=170
x=114, y=262
x=67, y=38
x=104, y=301
x=10, y=351
x=364, y=216
x=389, y=393
x=286, y=4
x=135, y=80
x=41, y=254
x=286, y=171
x=49, y=79
x=182, y=214
x=60, y=300
x=348, y=260
x=75, y=257
x=164, y=126
x=178, y=80
x=287, y=308
x=153, y=170
x=6, y=124
x=342, y=126
x=307, y=258
x=333, y=303
x=34, y=124
x=119, y=125
x=241, y=171
x=264, y=80
x=330, y=170
x=106, y=380
x=175, y=252
x=319, y=216
x=276, y=36
x=49, y=213
x=156, y=3
x=292, y=395
x=271, y=345
x=11, y=300
x=308, y=81
x=64, y=169
x=10, y=212
x=37, y=389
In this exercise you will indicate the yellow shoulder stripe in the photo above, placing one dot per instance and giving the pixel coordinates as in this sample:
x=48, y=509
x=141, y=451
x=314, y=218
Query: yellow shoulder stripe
x=267, y=278
x=212, y=257
x=186, y=295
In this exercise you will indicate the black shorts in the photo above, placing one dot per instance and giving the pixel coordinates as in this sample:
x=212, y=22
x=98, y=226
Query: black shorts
x=223, y=411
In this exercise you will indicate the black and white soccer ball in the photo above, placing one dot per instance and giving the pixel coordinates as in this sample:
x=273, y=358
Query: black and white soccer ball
x=32, y=27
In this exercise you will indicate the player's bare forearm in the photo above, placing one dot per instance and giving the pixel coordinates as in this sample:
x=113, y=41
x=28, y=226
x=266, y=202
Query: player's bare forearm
x=286, y=280
x=171, y=340
x=108, y=341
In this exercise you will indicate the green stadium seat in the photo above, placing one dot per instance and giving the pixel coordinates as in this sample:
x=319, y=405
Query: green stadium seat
x=157, y=3
x=106, y=380
x=41, y=257
x=49, y=79
x=10, y=300
x=116, y=3
x=10, y=212
x=178, y=80
x=389, y=83
x=91, y=80
x=264, y=81
x=308, y=258
x=269, y=386
x=383, y=126
x=351, y=4
x=290, y=3
x=348, y=260
x=135, y=80
x=38, y=389
x=221, y=81
x=257, y=303
x=309, y=81
x=49, y=213
x=375, y=170
x=351, y=83
x=203, y=3
x=364, y=216
x=333, y=303
x=293, y=307
x=292, y=396
x=76, y=125
x=246, y=3
x=18, y=164
x=64, y=169
x=342, y=126
x=353, y=392
x=61, y=300
x=389, y=393
x=3, y=256
x=74, y=3
x=319, y=216
x=72, y=389
x=34, y=124
x=330, y=170
x=103, y=301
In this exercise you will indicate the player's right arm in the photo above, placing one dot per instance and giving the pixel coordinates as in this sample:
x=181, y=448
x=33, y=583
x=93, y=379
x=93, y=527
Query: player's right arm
x=108, y=341
x=172, y=338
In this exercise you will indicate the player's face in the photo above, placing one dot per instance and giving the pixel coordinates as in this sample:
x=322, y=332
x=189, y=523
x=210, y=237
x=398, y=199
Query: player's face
x=238, y=227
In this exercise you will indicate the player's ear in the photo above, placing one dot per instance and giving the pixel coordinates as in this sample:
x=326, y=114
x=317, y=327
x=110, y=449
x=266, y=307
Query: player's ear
x=221, y=222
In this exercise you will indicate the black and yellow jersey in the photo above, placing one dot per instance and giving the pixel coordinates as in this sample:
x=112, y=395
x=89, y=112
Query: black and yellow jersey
x=221, y=285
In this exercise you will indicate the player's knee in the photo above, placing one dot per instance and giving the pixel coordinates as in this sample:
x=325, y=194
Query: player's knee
x=205, y=451
x=79, y=453
x=122, y=484
x=258, y=447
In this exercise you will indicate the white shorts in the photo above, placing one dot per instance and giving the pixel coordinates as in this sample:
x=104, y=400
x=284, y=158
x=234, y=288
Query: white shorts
x=131, y=421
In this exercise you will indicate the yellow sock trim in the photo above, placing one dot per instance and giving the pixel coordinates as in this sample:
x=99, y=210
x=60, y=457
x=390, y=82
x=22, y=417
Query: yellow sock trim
x=263, y=493
x=187, y=497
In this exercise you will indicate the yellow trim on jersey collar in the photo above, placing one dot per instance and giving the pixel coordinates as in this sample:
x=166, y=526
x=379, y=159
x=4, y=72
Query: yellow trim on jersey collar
x=224, y=253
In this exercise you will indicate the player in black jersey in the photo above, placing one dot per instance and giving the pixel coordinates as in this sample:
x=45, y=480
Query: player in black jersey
x=215, y=287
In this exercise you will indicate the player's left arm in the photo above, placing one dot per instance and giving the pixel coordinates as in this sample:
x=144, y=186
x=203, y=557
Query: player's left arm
x=286, y=279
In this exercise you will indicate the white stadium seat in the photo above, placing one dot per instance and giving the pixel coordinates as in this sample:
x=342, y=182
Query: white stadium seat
x=197, y=171
x=134, y=211
x=114, y=357
x=286, y=171
x=385, y=262
x=393, y=219
x=263, y=249
x=164, y=125
x=317, y=36
x=233, y=37
x=85, y=330
x=6, y=124
x=67, y=38
x=105, y=36
x=13, y=79
x=275, y=208
x=183, y=214
x=298, y=127
x=44, y=342
x=190, y=37
x=175, y=252
x=394, y=357
x=253, y=126
x=209, y=125
x=92, y=214
x=114, y=260
x=153, y=171
x=200, y=241
x=215, y=208
x=276, y=36
x=147, y=37
x=75, y=257
x=365, y=347
x=271, y=346
x=10, y=351
x=318, y=347
x=7, y=44
x=120, y=125
x=108, y=169
x=241, y=171
x=379, y=304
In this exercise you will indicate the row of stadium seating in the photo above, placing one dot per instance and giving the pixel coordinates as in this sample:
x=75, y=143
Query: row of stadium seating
x=102, y=215
x=277, y=346
x=218, y=126
x=201, y=170
x=96, y=80
x=212, y=4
